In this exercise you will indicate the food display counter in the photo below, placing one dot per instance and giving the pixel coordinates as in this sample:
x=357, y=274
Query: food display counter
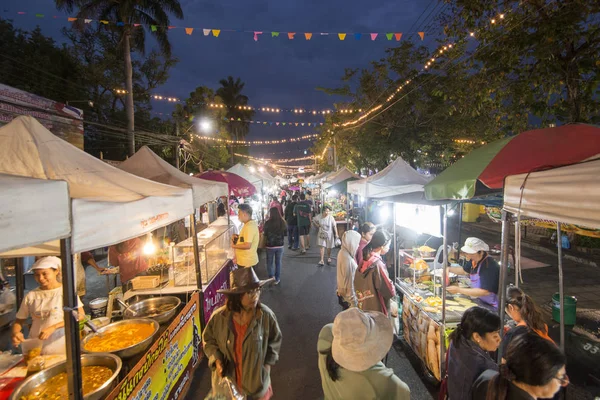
x=424, y=326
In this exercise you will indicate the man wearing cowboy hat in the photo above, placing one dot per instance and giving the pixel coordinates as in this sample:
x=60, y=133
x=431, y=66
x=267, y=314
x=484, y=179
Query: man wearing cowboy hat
x=242, y=339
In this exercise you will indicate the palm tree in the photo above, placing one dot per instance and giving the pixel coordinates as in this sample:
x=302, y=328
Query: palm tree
x=231, y=95
x=153, y=14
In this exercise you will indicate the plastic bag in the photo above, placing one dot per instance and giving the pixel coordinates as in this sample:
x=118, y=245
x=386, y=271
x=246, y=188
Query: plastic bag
x=226, y=389
x=338, y=242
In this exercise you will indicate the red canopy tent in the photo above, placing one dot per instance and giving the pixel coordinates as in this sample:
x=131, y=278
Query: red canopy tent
x=238, y=186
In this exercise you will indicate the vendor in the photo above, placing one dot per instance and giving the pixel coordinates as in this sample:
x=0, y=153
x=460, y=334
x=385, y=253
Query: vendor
x=483, y=271
x=45, y=307
x=222, y=219
x=129, y=257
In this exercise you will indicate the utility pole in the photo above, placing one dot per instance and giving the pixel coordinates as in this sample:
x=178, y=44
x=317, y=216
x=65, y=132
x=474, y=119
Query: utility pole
x=177, y=144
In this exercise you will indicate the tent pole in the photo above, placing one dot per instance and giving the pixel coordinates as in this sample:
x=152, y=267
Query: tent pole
x=70, y=308
x=517, y=252
x=19, y=280
x=395, y=243
x=561, y=287
x=444, y=276
x=460, y=217
x=196, y=251
x=503, y=272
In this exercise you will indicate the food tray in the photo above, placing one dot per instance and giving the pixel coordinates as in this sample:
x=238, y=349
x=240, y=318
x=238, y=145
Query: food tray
x=145, y=282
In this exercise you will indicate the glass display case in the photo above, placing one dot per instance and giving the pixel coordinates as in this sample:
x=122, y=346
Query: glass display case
x=214, y=248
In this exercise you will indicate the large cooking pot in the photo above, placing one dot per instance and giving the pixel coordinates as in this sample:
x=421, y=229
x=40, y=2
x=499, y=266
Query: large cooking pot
x=130, y=351
x=99, y=359
x=152, y=308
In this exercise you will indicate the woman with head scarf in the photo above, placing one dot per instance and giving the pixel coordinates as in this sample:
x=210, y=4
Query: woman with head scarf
x=350, y=353
x=346, y=268
x=242, y=339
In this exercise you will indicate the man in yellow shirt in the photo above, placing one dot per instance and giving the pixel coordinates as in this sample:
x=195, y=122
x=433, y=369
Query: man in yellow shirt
x=246, y=244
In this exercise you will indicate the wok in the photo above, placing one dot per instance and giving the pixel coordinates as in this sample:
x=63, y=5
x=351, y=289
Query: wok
x=126, y=352
x=149, y=309
x=99, y=359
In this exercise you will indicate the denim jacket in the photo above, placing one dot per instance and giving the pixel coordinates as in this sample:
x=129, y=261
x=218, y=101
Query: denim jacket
x=261, y=346
x=465, y=364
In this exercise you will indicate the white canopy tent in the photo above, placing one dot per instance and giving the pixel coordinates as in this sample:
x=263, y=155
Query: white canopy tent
x=245, y=173
x=568, y=194
x=108, y=205
x=147, y=164
x=398, y=178
x=32, y=211
x=339, y=176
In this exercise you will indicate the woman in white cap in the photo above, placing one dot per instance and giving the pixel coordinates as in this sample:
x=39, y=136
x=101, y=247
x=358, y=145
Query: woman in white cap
x=45, y=307
x=350, y=354
x=483, y=271
x=242, y=339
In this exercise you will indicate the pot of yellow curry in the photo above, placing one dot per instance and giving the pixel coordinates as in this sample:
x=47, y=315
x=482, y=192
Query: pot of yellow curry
x=125, y=339
x=99, y=377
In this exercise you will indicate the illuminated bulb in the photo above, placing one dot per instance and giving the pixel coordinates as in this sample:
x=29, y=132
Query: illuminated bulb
x=433, y=60
x=278, y=110
x=472, y=34
x=149, y=247
x=493, y=21
x=501, y=16
x=450, y=46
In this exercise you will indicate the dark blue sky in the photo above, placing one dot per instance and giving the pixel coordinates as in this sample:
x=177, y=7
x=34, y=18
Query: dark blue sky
x=278, y=72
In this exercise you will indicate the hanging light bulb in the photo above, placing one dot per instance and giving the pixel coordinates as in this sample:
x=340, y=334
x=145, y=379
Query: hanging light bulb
x=149, y=247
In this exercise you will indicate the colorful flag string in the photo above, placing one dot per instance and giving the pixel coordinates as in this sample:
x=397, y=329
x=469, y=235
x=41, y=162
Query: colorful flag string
x=254, y=34
x=276, y=123
x=270, y=160
x=259, y=142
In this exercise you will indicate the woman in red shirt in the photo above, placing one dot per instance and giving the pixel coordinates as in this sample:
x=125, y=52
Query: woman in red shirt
x=128, y=256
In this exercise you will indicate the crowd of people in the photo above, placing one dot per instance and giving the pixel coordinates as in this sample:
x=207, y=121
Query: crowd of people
x=352, y=350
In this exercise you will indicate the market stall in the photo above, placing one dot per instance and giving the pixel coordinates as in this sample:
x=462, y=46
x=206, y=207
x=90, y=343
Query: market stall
x=196, y=261
x=107, y=206
x=262, y=184
x=335, y=194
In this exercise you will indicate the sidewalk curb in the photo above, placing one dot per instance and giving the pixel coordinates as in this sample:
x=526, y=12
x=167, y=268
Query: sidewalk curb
x=534, y=246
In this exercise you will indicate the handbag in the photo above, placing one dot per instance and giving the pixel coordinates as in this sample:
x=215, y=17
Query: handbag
x=262, y=242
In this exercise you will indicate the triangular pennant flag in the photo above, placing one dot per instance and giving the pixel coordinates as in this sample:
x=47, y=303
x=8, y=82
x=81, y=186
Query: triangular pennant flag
x=309, y=124
x=71, y=19
x=283, y=123
x=87, y=21
x=216, y=32
x=398, y=36
x=308, y=35
x=296, y=124
x=39, y=15
x=206, y=32
x=374, y=36
x=274, y=34
x=291, y=35
x=233, y=119
x=342, y=36
x=189, y=30
x=103, y=21
x=389, y=36
x=137, y=25
x=120, y=23
x=321, y=124
x=171, y=27
x=270, y=124
x=277, y=123
x=302, y=123
x=153, y=28
x=422, y=34
x=357, y=36
x=21, y=12
x=264, y=123
x=256, y=35
x=239, y=119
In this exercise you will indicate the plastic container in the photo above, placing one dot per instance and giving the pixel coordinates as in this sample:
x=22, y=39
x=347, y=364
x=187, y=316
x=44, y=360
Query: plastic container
x=98, y=307
x=31, y=348
x=470, y=212
x=570, y=306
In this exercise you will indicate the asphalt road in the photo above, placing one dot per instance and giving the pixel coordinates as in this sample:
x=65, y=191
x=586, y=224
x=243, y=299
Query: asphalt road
x=304, y=302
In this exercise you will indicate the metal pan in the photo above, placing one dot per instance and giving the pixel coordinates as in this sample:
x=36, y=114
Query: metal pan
x=130, y=351
x=100, y=359
x=151, y=308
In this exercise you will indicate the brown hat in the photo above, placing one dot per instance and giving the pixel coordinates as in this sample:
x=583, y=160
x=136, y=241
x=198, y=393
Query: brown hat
x=243, y=280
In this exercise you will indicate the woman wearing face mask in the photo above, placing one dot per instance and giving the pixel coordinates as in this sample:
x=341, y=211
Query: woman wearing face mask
x=483, y=271
x=372, y=284
x=468, y=355
x=534, y=369
x=522, y=309
x=367, y=230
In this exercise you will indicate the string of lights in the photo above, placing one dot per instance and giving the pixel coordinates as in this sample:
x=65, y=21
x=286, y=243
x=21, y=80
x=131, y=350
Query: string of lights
x=275, y=123
x=270, y=161
x=259, y=142
x=426, y=66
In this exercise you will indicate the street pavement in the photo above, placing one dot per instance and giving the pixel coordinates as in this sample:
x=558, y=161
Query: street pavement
x=304, y=302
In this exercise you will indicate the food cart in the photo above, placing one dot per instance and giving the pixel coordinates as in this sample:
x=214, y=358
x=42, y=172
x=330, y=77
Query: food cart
x=100, y=196
x=193, y=263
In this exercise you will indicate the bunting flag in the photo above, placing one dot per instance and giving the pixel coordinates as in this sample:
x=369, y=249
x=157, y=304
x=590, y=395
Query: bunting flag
x=291, y=35
x=71, y=19
x=308, y=35
x=260, y=142
x=256, y=35
x=103, y=21
x=342, y=36
x=136, y=25
x=169, y=27
x=39, y=15
x=153, y=28
x=120, y=24
x=206, y=32
x=389, y=36
x=274, y=34
x=374, y=36
x=357, y=36
x=87, y=21
x=189, y=30
x=276, y=123
x=216, y=32
x=422, y=34
x=398, y=36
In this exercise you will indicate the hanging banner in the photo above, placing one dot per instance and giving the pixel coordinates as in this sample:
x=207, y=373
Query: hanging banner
x=167, y=368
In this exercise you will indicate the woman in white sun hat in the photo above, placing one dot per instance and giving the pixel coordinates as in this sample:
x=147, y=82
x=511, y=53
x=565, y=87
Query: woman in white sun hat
x=350, y=354
x=483, y=271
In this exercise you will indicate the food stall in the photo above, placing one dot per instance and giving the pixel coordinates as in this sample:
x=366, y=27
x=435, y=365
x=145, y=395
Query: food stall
x=335, y=194
x=99, y=195
x=193, y=263
x=263, y=185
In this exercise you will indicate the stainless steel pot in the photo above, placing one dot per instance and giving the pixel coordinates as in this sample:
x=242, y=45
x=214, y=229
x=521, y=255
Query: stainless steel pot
x=149, y=308
x=99, y=359
x=130, y=351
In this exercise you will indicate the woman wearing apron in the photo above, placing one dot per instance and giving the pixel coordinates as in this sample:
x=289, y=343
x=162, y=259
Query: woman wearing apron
x=483, y=271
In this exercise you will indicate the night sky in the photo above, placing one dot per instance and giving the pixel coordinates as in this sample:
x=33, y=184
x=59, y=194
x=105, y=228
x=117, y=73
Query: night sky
x=278, y=72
